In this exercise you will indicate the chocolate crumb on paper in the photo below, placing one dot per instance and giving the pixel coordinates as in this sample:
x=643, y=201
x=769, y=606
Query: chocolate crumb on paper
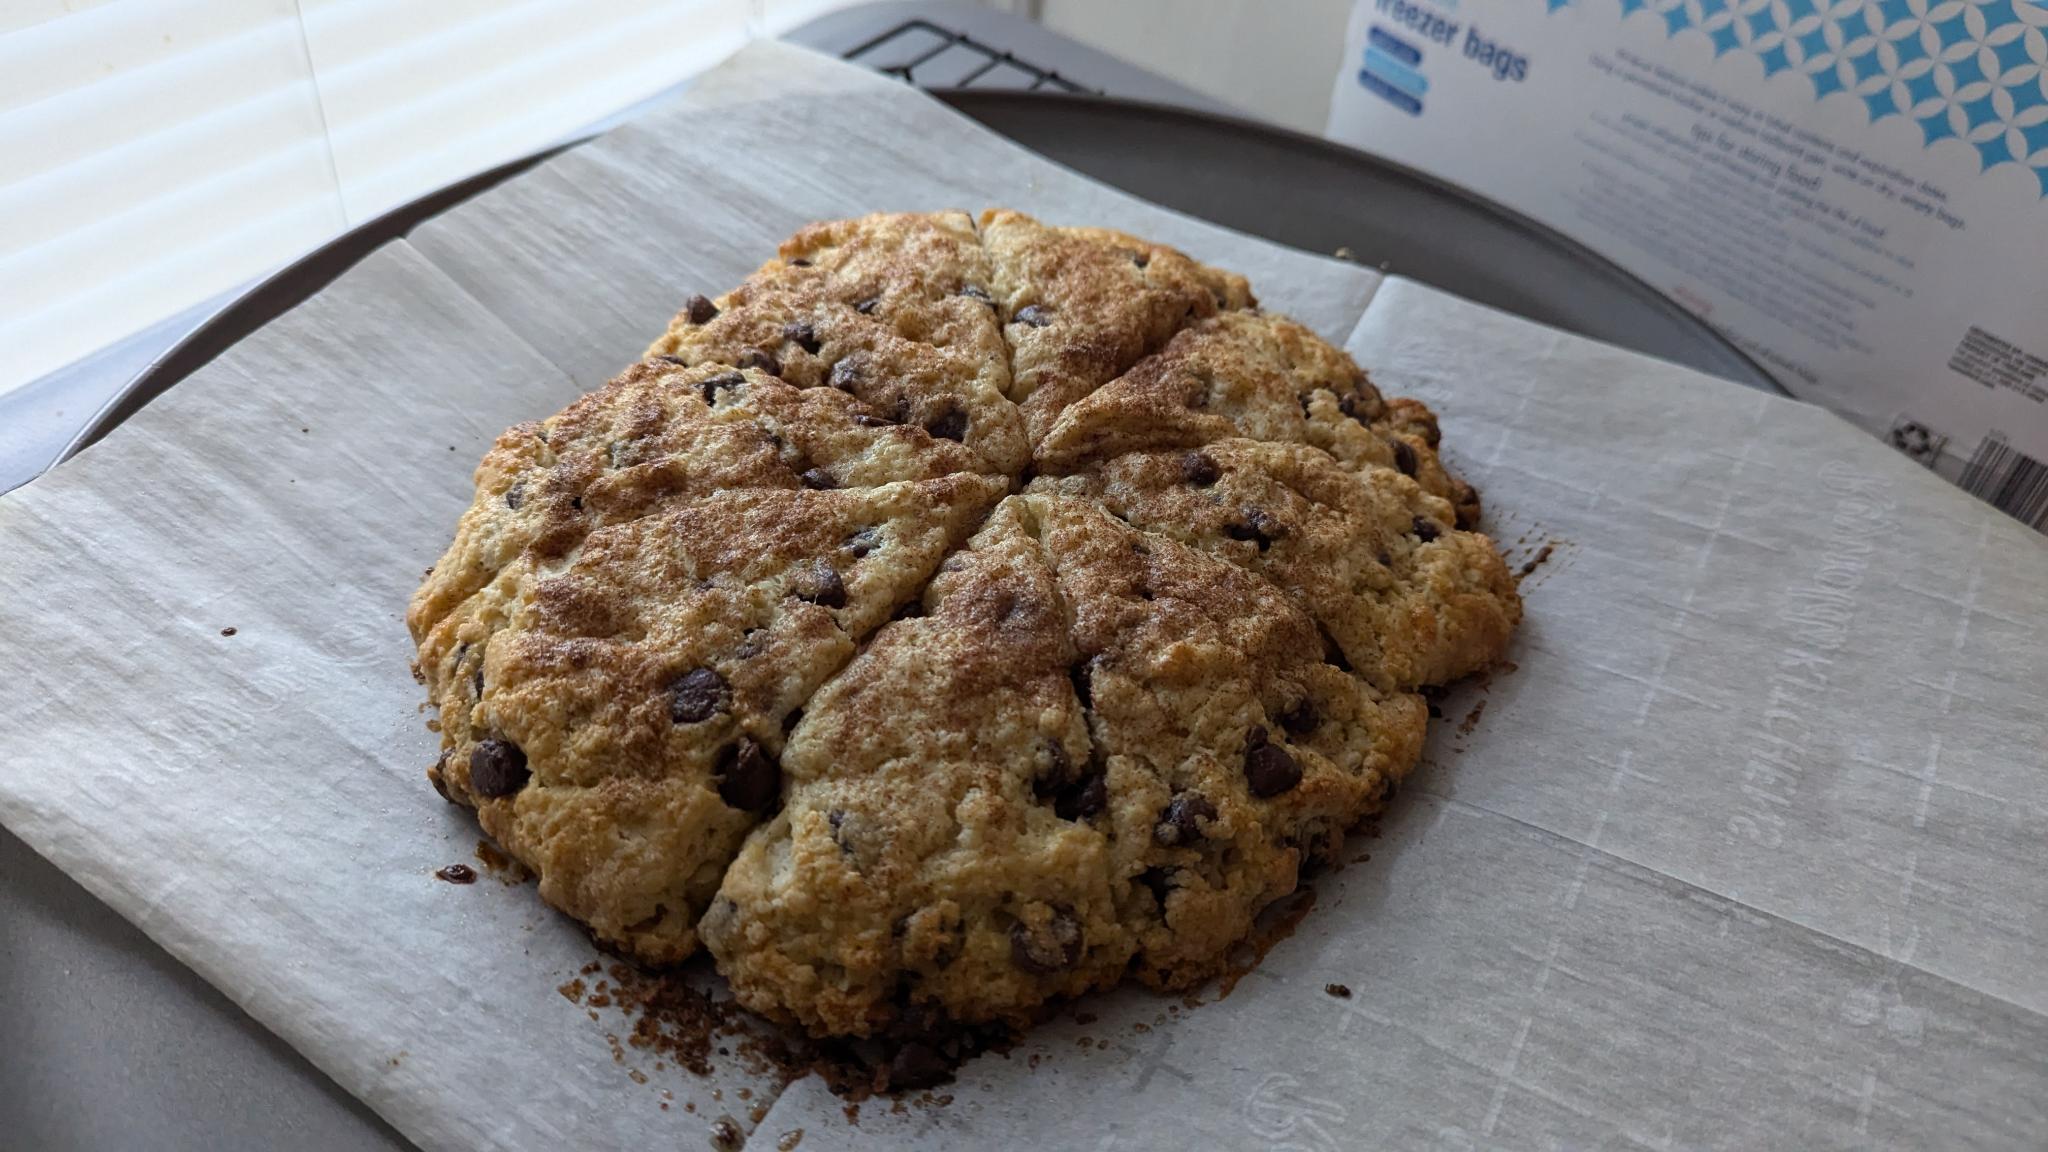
x=498, y=864
x=1471, y=719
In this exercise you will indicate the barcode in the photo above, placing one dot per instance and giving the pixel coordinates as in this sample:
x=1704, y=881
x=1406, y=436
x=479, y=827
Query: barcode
x=2014, y=482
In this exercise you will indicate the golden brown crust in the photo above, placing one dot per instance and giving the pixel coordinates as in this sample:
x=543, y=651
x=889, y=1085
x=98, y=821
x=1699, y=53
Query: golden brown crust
x=676, y=519
x=754, y=643
x=1082, y=305
x=1348, y=545
x=915, y=838
x=1265, y=378
x=1080, y=685
x=892, y=309
x=1197, y=673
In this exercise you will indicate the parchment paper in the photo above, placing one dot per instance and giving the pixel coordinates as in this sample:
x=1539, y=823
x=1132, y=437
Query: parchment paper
x=590, y=257
x=1746, y=852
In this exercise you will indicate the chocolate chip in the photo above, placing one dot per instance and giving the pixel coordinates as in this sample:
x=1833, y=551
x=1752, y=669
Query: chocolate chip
x=866, y=421
x=1159, y=882
x=917, y=1065
x=1061, y=766
x=867, y=306
x=1054, y=948
x=1426, y=529
x=1404, y=457
x=700, y=310
x=515, y=496
x=831, y=589
x=1265, y=523
x=922, y=1022
x=803, y=334
x=863, y=542
x=975, y=292
x=1199, y=469
x=701, y=694
x=1268, y=769
x=1082, y=800
x=1139, y=258
x=845, y=375
x=951, y=425
x=1466, y=499
x=1432, y=434
x=823, y=587
x=799, y=262
x=1177, y=823
x=818, y=478
x=1340, y=991
x=1385, y=558
x=1256, y=525
x=724, y=381
x=748, y=778
x=665, y=358
x=1301, y=719
x=1033, y=315
x=497, y=768
x=762, y=362
x=1362, y=403
x=649, y=922
x=576, y=502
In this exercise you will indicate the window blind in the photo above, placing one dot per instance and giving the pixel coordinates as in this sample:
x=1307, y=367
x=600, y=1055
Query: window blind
x=154, y=153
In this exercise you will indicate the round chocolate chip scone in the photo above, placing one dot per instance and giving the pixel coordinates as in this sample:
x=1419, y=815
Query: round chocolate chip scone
x=955, y=616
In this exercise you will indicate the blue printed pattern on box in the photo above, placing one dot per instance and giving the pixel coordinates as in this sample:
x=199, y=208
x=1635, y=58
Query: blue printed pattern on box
x=1391, y=71
x=1975, y=71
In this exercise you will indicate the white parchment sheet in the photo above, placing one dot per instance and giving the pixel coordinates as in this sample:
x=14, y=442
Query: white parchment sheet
x=590, y=256
x=1746, y=852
